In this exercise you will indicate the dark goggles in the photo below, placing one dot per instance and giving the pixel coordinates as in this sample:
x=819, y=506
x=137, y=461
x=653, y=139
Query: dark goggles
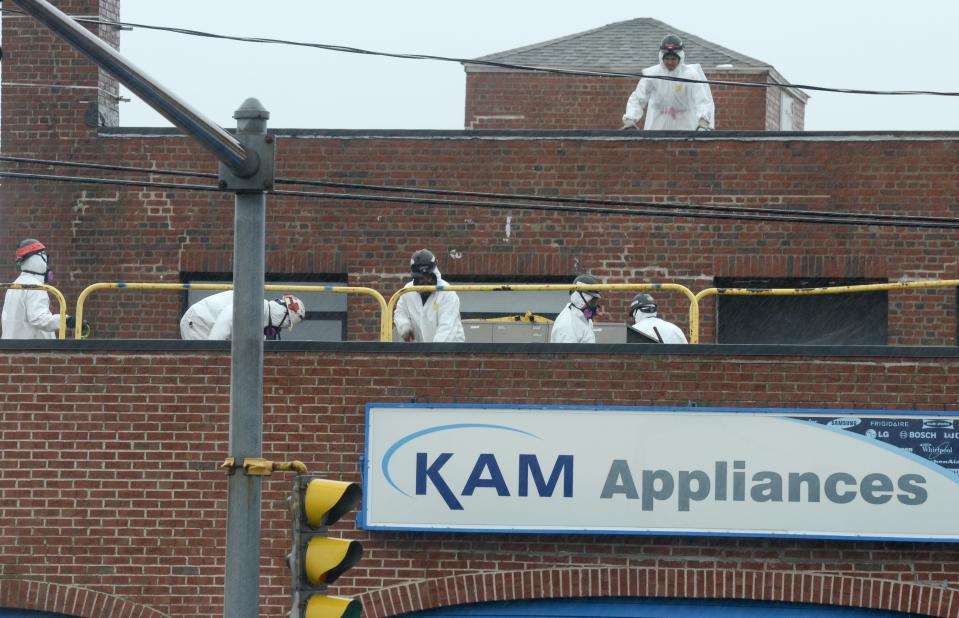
x=644, y=308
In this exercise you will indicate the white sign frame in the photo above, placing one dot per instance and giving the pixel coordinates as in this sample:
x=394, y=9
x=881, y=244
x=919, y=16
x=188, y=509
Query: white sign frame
x=689, y=471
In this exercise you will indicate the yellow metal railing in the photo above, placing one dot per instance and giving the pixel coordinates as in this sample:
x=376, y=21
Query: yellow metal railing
x=387, y=308
x=62, y=333
x=327, y=289
x=840, y=289
x=386, y=328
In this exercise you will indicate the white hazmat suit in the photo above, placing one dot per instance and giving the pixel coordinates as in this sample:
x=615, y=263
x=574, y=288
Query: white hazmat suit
x=26, y=313
x=212, y=317
x=656, y=329
x=435, y=321
x=572, y=325
x=677, y=106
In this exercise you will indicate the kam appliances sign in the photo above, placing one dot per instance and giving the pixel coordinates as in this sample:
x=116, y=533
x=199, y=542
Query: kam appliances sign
x=797, y=472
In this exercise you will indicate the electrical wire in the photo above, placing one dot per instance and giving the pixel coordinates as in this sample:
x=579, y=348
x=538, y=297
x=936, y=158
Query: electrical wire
x=621, y=204
x=483, y=205
x=863, y=220
x=651, y=212
x=608, y=202
x=649, y=208
x=108, y=167
x=109, y=181
x=522, y=67
x=491, y=63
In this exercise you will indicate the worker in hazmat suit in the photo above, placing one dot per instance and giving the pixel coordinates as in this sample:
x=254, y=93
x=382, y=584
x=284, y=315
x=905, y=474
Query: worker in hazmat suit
x=212, y=317
x=646, y=322
x=430, y=317
x=574, y=324
x=672, y=105
x=26, y=313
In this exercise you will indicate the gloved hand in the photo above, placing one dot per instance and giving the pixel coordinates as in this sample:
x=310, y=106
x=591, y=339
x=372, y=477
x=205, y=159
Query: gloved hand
x=704, y=125
x=84, y=326
x=630, y=121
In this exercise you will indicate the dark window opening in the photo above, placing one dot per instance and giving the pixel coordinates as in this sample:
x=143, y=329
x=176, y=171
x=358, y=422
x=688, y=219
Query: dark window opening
x=859, y=318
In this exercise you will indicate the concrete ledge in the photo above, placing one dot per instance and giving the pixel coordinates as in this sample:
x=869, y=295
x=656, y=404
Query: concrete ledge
x=580, y=350
x=567, y=135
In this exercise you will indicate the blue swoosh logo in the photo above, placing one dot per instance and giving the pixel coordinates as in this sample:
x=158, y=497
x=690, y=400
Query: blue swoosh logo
x=418, y=434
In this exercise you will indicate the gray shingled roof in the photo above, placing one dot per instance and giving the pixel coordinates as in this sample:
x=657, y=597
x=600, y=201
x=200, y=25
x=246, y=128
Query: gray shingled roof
x=632, y=45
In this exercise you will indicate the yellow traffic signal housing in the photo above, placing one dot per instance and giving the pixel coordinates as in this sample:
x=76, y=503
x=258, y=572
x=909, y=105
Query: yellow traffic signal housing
x=318, y=606
x=326, y=558
x=326, y=501
x=318, y=560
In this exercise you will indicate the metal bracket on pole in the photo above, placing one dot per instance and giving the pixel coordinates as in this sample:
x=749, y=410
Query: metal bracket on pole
x=259, y=466
x=257, y=175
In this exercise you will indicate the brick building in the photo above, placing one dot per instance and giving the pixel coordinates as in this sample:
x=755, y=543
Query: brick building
x=112, y=503
x=503, y=98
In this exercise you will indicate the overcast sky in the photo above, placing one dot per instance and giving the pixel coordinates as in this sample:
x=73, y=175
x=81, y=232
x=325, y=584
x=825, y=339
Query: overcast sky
x=872, y=45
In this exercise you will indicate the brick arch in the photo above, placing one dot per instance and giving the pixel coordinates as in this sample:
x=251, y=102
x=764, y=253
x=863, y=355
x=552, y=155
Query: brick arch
x=734, y=584
x=70, y=600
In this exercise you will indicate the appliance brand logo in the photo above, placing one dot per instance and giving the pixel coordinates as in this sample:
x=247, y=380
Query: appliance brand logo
x=486, y=471
x=653, y=488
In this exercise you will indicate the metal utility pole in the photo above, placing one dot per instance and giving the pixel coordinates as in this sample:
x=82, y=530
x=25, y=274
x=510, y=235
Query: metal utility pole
x=241, y=590
x=246, y=167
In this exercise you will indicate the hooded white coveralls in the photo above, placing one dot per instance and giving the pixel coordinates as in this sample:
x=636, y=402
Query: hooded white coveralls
x=438, y=321
x=26, y=313
x=571, y=326
x=212, y=317
x=657, y=329
x=677, y=106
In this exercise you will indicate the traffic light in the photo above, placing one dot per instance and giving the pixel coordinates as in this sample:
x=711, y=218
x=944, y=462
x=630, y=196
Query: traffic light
x=318, y=560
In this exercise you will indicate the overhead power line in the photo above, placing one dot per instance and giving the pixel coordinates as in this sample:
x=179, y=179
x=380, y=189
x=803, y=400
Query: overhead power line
x=680, y=211
x=109, y=181
x=620, y=206
x=609, y=202
x=491, y=63
x=107, y=167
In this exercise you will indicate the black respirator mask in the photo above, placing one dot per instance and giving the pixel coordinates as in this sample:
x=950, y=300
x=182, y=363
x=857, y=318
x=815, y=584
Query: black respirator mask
x=271, y=331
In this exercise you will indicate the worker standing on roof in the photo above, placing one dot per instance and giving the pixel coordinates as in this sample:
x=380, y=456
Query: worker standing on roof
x=212, y=317
x=26, y=313
x=428, y=317
x=647, y=323
x=574, y=324
x=672, y=105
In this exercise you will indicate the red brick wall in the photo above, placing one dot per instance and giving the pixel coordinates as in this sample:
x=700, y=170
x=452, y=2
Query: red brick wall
x=50, y=122
x=500, y=100
x=112, y=499
x=46, y=118
x=110, y=234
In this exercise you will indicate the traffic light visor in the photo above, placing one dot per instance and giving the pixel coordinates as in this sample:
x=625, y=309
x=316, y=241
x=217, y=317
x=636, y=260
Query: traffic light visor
x=326, y=559
x=326, y=501
x=319, y=606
